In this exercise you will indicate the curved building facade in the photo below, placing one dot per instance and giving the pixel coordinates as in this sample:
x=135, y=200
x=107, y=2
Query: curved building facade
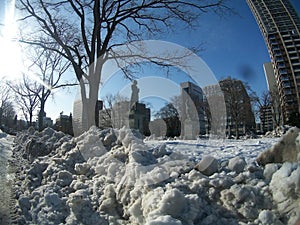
x=280, y=27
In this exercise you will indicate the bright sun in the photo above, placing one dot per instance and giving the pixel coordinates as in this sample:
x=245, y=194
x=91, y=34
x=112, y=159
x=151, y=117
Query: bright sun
x=10, y=51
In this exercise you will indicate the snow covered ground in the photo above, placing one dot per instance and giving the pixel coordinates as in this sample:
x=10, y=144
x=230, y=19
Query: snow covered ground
x=220, y=149
x=113, y=177
x=6, y=177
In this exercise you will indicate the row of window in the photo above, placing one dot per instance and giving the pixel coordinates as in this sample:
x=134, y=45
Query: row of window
x=291, y=33
x=282, y=68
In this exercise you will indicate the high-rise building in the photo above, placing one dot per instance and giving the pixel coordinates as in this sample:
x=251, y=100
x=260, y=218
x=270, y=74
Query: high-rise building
x=280, y=27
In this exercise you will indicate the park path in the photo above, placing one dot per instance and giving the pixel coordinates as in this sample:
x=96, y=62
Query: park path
x=6, y=178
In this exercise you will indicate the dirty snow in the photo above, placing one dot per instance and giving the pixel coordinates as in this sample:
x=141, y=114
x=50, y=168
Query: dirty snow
x=6, y=177
x=114, y=177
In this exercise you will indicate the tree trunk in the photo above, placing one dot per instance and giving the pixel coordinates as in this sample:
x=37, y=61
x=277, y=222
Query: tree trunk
x=30, y=119
x=237, y=131
x=88, y=106
x=41, y=116
x=1, y=116
x=88, y=113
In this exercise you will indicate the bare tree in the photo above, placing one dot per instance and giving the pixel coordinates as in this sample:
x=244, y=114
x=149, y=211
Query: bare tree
x=48, y=68
x=87, y=32
x=276, y=109
x=108, y=114
x=8, y=114
x=262, y=109
x=238, y=105
x=26, y=96
x=105, y=117
x=171, y=117
x=177, y=102
x=215, y=116
x=269, y=103
x=7, y=111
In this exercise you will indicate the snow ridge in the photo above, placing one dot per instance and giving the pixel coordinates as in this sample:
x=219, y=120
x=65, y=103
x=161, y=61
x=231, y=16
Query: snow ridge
x=114, y=177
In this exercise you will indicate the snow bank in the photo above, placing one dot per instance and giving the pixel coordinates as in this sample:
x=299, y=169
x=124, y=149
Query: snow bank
x=113, y=177
x=286, y=150
x=278, y=132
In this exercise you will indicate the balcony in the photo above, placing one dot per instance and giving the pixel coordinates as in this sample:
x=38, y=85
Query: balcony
x=286, y=84
x=297, y=70
x=279, y=58
x=277, y=53
x=284, y=78
x=281, y=65
x=292, y=51
x=288, y=92
x=282, y=71
x=293, y=56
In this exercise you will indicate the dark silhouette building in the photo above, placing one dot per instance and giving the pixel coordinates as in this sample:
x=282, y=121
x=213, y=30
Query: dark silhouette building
x=64, y=124
x=239, y=115
x=136, y=116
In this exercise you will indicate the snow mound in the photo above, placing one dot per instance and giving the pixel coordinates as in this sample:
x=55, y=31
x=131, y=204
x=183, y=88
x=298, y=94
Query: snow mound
x=278, y=132
x=285, y=187
x=3, y=134
x=113, y=177
x=286, y=150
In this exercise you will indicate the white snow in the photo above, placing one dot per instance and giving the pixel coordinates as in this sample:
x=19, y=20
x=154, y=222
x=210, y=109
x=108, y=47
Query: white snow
x=6, y=176
x=113, y=177
x=221, y=149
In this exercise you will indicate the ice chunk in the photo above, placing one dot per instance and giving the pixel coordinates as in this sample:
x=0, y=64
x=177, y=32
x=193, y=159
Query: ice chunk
x=208, y=165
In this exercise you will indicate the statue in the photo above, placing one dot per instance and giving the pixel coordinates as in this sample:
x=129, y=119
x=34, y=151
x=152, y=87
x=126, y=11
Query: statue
x=134, y=93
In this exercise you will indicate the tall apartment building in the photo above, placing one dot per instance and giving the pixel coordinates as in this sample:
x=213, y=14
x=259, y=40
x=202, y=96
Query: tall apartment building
x=280, y=27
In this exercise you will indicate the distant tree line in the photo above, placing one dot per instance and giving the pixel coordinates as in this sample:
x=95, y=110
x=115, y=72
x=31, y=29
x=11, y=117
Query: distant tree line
x=171, y=116
x=31, y=92
x=7, y=108
x=268, y=104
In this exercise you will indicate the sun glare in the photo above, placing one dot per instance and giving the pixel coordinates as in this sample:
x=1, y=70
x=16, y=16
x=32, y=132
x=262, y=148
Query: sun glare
x=10, y=51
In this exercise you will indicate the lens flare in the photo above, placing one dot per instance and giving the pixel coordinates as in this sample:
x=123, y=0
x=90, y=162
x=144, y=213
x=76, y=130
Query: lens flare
x=10, y=55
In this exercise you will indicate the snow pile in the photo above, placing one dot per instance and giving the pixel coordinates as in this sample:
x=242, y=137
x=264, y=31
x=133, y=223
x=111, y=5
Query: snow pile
x=285, y=186
x=278, y=132
x=114, y=177
x=286, y=150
